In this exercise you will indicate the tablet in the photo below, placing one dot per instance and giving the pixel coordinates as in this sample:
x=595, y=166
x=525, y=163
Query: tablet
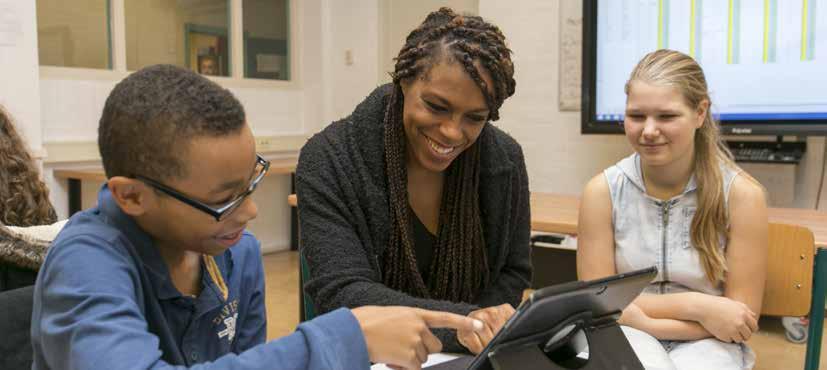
x=548, y=310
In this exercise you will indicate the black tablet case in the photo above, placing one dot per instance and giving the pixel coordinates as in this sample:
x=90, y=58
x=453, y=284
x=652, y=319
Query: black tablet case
x=593, y=306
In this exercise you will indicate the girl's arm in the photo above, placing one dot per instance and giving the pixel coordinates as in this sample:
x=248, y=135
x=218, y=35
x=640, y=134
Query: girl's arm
x=737, y=318
x=595, y=236
x=747, y=249
x=679, y=306
x=664, y=329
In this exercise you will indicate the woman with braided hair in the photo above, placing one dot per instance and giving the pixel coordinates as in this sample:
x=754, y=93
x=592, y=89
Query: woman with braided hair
x=416, y=199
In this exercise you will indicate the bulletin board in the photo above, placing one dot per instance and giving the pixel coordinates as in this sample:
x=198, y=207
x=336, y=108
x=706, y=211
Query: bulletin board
x=571, y=56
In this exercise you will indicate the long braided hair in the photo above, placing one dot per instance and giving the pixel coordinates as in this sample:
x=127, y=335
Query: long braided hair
x=459, y=268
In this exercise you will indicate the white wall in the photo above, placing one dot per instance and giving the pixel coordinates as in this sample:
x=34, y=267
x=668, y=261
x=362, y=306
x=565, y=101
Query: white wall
x=19, y=90
x=399, y=18
x=311, y=64
x=558, y=157
x=350, y=27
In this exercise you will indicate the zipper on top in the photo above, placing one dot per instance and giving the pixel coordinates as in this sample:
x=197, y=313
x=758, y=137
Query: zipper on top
x=665, y=207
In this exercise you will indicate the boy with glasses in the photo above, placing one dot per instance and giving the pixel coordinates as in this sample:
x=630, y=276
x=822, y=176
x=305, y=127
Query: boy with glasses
x=162, y=272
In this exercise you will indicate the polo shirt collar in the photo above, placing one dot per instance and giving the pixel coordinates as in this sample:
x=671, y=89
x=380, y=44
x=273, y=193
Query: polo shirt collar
x=214, y=289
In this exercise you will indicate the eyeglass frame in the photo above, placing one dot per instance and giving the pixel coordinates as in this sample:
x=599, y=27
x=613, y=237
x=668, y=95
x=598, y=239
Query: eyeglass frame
x=217, y=213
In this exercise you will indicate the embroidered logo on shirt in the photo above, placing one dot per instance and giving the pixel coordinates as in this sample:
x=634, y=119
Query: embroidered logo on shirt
x=229, y=331
x=228, y=316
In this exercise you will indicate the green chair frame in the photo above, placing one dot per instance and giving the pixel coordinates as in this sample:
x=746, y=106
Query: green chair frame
x=307, y=309
x=811, y=359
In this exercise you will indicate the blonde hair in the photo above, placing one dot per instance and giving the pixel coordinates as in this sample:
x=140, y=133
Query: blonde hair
x=24, y=198
x=709, y=225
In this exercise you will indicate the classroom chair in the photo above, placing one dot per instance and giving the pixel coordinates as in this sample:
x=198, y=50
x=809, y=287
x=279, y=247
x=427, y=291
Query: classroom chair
x=795, y=285
x=307, y=310
x=15, y=324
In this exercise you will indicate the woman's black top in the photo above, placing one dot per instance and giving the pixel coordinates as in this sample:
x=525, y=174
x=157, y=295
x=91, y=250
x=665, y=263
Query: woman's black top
x=424, y=243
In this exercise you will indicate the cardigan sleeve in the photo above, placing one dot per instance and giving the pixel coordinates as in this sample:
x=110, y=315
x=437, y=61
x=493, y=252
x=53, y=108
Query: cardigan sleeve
x=334, y=234
x=515, y=276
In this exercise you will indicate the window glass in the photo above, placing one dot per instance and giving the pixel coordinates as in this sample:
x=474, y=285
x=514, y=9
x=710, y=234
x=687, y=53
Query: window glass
x=266, y=39
x=73, y=33
x=188, y=33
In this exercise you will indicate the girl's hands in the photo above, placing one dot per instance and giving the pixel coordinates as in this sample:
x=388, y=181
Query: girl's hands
x=729, y=320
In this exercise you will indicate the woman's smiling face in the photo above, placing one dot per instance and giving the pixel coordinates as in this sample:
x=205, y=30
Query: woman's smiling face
x=444, y=114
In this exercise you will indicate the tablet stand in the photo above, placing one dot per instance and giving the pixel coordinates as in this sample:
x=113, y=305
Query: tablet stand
x=608, y=347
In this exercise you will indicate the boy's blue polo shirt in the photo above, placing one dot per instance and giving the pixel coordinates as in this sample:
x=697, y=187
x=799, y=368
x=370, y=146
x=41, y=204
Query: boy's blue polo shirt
x=104, y=300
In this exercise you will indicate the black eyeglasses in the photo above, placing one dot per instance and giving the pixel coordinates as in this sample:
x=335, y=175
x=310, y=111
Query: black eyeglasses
x=220, y=213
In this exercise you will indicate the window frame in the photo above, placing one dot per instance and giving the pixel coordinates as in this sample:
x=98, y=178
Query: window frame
x=117, y=51
x=109, y=43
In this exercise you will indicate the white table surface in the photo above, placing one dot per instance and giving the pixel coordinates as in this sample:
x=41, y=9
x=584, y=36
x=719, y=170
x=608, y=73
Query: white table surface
x=434, y=359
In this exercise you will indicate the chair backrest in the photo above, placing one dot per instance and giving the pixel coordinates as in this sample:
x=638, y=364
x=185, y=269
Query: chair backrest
x=15, y=324
x=308, y=308
x=788, y=291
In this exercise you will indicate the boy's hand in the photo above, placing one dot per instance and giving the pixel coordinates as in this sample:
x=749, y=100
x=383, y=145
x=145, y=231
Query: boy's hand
x=729, y=320
x=401, y=336
x=494, y=319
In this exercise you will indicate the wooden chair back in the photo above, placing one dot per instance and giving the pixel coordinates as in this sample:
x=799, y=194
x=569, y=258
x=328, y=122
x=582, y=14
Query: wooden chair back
x=788, y=291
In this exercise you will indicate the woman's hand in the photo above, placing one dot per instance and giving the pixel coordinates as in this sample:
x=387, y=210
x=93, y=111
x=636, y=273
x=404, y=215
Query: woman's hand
x=728, y=320
x=493, y=318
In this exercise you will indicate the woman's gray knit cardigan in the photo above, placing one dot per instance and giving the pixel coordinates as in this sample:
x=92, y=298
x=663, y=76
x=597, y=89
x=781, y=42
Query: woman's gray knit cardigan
x=344, y=217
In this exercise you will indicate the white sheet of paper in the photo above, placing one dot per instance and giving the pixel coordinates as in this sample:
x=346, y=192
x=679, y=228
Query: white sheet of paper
x=436, y=358
x=439, y=358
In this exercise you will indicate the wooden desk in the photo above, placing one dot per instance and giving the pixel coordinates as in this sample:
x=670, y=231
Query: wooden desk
x=554, y=213
x=557, y=213
x=75, y=177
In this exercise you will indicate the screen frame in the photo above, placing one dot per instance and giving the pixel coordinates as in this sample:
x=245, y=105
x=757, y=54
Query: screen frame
x=589, y=124
x=575, y=297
